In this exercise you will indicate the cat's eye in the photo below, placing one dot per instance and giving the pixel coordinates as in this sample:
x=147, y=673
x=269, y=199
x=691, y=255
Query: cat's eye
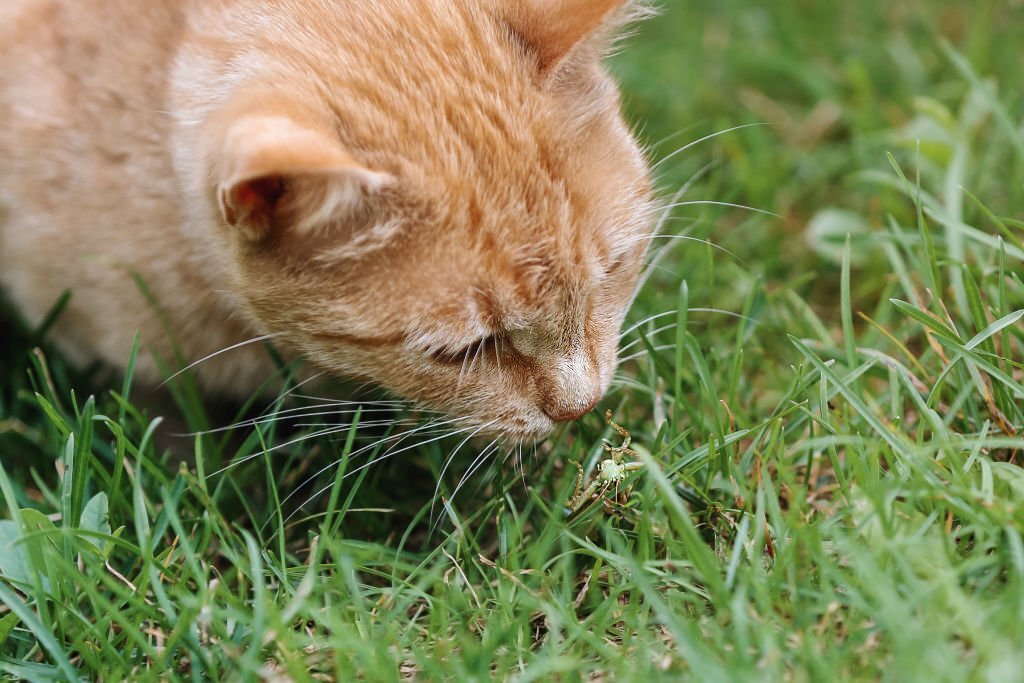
x=467, y=354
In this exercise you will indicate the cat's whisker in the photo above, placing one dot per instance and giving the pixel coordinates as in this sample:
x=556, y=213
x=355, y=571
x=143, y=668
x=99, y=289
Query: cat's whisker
x=666, y=214
x=689, y=238
x=274, y=408
x=450, y=460
x=238, y=462
x=669, y=271
x=515, y=453
x=706, y=138
x=337, y=429
x=397, y=406
x=391, y=453
x=347, y=405
x=463, y=371
x=462, y=375
x=344, y=402
x=652, y=318
x=388, y=454
x=485, y=454
x=428, y=429
x=494, y=470
x=645, y=352
x=690, y=220
x=280, y=400
x=255, y=340
x=666, y=209
x=652, y=333
x=476, y=356
x=522, y=464
x=665, y=328
x=283, y=418
x=655, y=145
x=326, y=432
x=371, y=423
x=728, y=205
x=622, y=381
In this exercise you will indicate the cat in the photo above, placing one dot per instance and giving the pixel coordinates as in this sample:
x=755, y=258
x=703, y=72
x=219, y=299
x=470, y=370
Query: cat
x=440, y=197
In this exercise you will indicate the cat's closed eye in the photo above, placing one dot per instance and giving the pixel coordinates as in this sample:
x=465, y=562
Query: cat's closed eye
x=467, y=353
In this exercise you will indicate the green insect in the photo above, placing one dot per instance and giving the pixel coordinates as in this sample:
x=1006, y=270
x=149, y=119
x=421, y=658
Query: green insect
x=610, y=472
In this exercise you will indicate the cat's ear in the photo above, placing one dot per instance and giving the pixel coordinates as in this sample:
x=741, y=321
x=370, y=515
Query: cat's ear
x=277, y=174
x=554, y=28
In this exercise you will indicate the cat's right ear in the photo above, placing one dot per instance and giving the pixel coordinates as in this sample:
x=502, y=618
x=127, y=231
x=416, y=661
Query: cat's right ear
x=275, y=174
x=553, y=29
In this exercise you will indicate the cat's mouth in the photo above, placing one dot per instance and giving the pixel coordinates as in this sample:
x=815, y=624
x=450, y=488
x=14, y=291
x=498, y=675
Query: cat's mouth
x=519, y=429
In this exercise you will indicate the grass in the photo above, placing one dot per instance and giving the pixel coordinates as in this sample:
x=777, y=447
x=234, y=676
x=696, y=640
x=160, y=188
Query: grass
x=828, y=412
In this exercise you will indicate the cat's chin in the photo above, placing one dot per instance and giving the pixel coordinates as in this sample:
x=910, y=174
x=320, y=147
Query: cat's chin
x=525, y=431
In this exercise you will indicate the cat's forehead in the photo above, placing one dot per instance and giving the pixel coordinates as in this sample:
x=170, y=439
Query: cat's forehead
x=467, y=126
x=463, y=88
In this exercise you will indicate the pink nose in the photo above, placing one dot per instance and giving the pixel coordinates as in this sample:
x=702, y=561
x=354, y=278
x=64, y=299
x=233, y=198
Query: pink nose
x=568, y=413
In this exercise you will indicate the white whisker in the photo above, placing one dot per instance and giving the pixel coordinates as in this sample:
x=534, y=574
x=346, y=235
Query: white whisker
x=391, y=454
x=282, y=417
x=476, y=356
x=256, y=340
x=522, y=464
x=432, y=428
x=462, y=374
x=666, y=214
x=282, y=397
x=329, y=431
x=371, y=423
x=387, y=455
x=343, y=402
x=337, y=429
x=492, y=448
x=656, y=316
x=652, y=333
x=728, y=205
x=448, y=462
x=712, y=136
x=688, y=238
x=665, y=328
x=647, y=351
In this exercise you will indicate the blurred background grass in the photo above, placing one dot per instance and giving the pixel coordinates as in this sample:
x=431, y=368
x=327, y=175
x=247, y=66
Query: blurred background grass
x=833, y=80
x=838, y=85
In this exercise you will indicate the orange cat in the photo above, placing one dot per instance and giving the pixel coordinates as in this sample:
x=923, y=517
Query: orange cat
x=439, y=196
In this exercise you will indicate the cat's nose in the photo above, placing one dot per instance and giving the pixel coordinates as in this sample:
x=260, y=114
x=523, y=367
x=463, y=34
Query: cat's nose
x=573, y=388
x=563, y=412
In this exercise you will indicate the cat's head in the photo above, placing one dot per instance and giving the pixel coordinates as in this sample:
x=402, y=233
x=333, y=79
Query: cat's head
x=440, y=197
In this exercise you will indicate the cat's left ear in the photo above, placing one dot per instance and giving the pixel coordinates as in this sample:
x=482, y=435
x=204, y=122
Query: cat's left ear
x=555, y=28
x=276, y=174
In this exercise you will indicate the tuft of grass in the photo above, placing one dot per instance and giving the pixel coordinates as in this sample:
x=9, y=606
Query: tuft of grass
x=828, y=408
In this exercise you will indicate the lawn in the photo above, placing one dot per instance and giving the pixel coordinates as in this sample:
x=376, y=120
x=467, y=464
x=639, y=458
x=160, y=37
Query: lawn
x=823, y=381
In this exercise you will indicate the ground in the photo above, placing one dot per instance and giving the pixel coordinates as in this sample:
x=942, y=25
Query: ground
x=824, y=392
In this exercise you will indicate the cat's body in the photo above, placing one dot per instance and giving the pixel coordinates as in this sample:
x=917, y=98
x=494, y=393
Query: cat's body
x=437, y=196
